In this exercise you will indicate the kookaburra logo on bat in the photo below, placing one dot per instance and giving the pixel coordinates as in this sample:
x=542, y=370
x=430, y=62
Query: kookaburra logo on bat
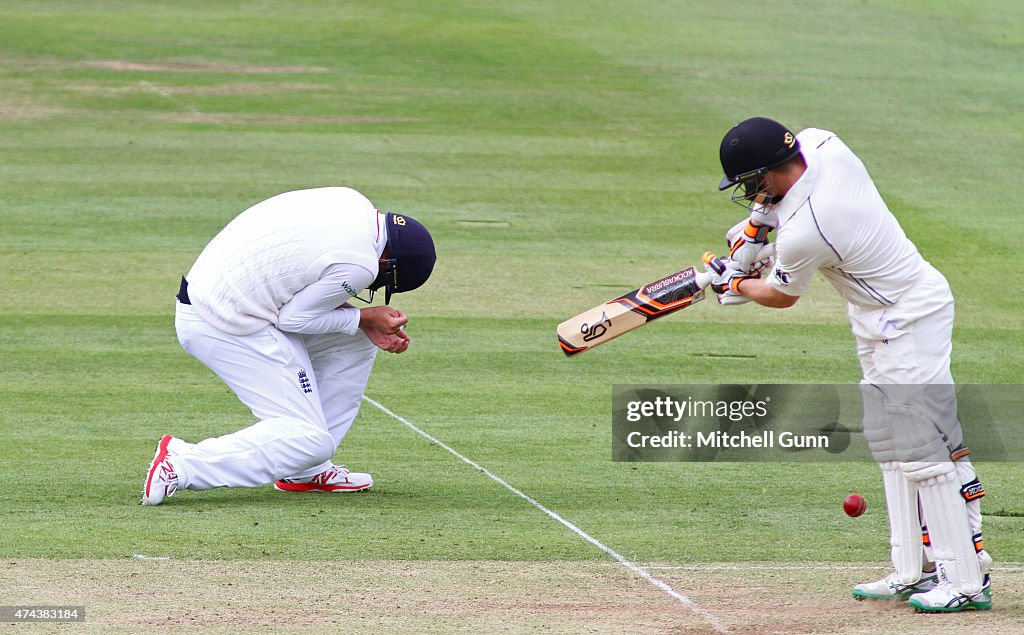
x=594, y=331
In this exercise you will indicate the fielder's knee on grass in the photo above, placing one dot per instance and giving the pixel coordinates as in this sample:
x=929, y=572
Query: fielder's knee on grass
x=327, y=446
x=258, y=455
x=308, y=447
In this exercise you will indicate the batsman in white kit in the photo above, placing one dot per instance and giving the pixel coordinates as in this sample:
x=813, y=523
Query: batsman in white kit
x=265, y=307
x=828, y=217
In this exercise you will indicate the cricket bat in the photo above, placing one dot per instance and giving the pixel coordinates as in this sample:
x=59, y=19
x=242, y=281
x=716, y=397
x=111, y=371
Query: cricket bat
x=617, y=317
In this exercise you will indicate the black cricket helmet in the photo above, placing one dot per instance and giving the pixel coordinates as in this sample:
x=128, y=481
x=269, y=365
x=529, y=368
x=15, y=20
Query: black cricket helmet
x=749, y=150
x=411, y=256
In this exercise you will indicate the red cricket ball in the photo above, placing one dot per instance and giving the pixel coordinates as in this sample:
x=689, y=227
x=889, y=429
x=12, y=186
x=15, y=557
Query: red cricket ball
x=854, y=505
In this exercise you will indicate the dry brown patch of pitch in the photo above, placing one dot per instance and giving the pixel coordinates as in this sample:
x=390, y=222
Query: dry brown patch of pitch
x=243, y=88
x=814, y=598
x=129, y=595
x=14, y=111
x=197, y=67
x=232, y=118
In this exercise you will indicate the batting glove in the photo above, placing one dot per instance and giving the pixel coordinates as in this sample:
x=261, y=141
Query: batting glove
x=731, y=297
x=728, y=277
x=748, y=246
x=765, y=256
x=764, y=262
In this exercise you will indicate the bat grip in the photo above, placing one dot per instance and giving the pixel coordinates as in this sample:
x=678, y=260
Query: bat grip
x=716, y=266
x=714, y=262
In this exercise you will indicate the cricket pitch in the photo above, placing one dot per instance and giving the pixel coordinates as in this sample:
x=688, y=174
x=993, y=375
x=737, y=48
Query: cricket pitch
x=176, y=596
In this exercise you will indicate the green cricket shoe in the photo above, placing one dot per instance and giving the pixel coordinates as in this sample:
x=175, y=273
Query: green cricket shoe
x=946, y=598
x=890, y=588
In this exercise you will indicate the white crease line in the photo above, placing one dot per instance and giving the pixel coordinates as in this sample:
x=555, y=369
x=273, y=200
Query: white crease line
x=141, y=556
x=765, y=567
x=153, y=88
x=996, y=568
x=635, y=568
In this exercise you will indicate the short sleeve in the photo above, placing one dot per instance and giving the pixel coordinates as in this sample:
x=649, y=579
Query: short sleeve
x=797, y=258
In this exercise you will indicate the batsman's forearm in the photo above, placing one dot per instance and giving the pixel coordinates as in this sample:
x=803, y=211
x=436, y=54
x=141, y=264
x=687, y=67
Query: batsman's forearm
x=766, y=295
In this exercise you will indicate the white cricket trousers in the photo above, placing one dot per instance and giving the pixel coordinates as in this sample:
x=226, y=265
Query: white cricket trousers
x=911, y=344
x=304, y=389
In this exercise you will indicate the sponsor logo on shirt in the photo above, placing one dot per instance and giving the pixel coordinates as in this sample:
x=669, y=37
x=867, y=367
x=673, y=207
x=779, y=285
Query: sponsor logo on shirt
x=348, y=288
x=781, y=275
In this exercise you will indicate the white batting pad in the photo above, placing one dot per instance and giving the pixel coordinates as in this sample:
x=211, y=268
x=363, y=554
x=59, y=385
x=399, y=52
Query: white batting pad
x=946, y=513
x=904, y=523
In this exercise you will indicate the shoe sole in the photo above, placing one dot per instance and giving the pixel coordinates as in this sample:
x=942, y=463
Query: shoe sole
x=886, y=598
x=970, y=606
x=297, y=487
x=899, y=597
x=161, y=454
x=973, y=605
x=902, y=597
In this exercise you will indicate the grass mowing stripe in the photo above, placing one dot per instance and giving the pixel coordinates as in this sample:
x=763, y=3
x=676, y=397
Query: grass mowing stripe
x=642, y=572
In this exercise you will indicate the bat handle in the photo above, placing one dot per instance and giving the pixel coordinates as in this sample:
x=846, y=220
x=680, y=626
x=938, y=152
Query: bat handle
x=715, y=267
x=713, y=261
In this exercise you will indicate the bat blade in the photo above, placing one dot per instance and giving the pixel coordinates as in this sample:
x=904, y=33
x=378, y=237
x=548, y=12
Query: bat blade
x=596, y=326
x=632, y=310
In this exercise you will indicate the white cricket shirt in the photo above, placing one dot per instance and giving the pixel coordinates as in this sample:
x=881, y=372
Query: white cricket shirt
x=834, y=220
x=290, y=261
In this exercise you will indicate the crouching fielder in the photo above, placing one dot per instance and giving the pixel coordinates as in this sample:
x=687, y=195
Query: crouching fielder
x=265, y=308
x=829, y=217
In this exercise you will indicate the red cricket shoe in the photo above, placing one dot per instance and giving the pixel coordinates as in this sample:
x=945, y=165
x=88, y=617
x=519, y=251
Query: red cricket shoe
x=335, y=479
x=161, y=480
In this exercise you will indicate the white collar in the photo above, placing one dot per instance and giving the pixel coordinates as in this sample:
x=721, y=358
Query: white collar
x=801, y=190
x=381, y=239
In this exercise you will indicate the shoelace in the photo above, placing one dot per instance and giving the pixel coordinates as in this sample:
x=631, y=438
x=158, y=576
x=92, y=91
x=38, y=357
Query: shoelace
x=328, y=476
x=947, y=587
x=893, y=581
x=169, y=477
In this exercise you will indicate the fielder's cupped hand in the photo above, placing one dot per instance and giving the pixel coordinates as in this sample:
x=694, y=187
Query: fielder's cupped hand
x=385, y=328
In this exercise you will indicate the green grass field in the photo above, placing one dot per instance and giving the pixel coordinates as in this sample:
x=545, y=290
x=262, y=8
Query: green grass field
x=562, y=153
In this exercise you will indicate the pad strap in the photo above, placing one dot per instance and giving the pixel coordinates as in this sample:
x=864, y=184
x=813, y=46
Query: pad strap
x=973, y=490
x=959, y=453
